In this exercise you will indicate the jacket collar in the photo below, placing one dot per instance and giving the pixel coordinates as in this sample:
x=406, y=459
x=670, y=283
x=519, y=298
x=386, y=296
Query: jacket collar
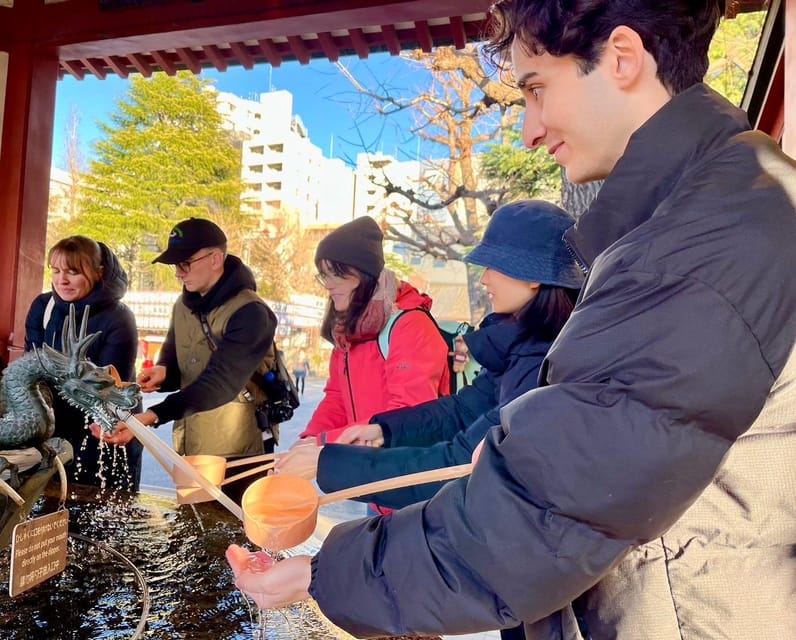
x=684, y=129
x=497, y=338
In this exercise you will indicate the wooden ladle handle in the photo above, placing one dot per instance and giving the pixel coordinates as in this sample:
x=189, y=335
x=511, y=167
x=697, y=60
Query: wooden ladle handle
x=408, y=480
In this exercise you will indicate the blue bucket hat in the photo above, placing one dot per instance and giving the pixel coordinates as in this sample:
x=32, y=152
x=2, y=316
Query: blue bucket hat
x=523, y=240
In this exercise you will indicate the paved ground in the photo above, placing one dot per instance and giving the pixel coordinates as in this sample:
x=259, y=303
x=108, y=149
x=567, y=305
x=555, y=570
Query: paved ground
x=155, y=480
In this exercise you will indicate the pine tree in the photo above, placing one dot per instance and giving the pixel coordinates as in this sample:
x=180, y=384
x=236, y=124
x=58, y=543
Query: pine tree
x=163, y=157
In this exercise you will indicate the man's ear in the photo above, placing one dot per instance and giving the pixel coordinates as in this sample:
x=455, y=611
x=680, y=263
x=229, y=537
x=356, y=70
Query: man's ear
x=625, y=52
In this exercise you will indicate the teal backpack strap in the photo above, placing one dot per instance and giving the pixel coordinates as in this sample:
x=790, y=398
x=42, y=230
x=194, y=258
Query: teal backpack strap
x=384, y=334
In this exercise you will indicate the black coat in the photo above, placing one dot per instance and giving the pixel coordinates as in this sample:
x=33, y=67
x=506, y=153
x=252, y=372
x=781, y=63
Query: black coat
x=116, y=345
x=443, y=432
x=653, y=473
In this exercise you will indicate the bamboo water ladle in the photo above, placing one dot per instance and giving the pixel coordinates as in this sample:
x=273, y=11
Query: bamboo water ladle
x=281, y=511
x=283, y=528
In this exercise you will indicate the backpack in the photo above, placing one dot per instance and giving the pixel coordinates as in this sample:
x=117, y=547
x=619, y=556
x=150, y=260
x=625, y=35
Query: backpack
x=449, y=330
x=273, y=378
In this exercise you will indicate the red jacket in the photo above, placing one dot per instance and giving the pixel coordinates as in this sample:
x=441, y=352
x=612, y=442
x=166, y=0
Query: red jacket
x=362, y=383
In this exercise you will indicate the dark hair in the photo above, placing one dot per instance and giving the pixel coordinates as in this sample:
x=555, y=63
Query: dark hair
x=360, y=298
x=676, y=33
x=547, y=313
x=81, y=254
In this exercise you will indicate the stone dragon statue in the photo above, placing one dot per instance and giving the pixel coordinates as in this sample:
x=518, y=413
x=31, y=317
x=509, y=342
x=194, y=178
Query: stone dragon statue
x=27, y=418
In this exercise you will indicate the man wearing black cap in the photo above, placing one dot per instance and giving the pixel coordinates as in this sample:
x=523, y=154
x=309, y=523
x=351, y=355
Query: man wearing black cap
x=220, y=332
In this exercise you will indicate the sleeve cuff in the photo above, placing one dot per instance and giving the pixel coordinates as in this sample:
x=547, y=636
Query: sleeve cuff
x=313, y=573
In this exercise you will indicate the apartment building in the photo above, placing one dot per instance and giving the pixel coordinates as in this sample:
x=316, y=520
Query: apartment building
x=284, y=173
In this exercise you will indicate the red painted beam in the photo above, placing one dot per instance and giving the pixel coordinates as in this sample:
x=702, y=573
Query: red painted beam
x=189, y=59
x=72, y=68
x=163, y=60
x=329, y=47
x=424, y=38
x=359, y=43
x=119, y=65
x=81, y=30
x=299, y=49
x=270, y=52
x=215, y=56
x=97, y=69
x=242, y=54
x=772, y=115
x=391, y=39
x=458, y=33
x=141, y=64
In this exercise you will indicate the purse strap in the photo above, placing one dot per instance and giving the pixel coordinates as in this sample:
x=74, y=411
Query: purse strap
x=206, y=330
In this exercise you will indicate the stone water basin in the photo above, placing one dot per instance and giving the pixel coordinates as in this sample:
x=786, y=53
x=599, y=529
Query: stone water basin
x=177, y=552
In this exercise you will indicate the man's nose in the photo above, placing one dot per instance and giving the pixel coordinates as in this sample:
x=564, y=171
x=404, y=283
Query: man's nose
x=533, y=131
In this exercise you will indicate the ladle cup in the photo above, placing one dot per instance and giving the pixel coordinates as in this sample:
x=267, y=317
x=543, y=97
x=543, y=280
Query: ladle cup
x=213, y=469
x=281, y=511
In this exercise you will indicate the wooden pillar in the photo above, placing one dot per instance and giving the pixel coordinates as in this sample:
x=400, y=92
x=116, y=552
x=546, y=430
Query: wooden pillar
x=789, y=132
x=31, y=74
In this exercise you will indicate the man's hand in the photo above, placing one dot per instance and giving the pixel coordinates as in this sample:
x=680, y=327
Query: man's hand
x=122, y=434
x=300, y=460
x=151, y=378
x=368, y=435
x=477, y=452
x=271, y=585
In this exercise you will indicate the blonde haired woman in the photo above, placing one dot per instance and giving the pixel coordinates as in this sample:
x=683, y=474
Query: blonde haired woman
x=87, y=274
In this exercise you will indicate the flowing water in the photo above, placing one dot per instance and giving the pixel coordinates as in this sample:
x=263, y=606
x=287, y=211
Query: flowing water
x=179, y=555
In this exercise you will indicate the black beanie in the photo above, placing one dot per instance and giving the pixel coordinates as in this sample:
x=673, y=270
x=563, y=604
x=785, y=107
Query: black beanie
x=357, y=244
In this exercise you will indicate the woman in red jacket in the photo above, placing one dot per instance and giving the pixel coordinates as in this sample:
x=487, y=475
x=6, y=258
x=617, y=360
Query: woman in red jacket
x=363, y=295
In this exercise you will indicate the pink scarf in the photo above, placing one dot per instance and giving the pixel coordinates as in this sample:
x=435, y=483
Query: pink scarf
x=381, y=306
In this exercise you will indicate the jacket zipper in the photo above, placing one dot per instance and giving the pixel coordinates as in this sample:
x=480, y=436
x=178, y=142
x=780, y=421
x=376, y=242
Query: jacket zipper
x=350, y=388
x=576, y=257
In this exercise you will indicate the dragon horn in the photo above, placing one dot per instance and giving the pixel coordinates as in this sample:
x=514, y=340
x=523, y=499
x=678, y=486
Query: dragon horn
x=84, y=322
x=68, y=337
x=41, y=360
x=75, y=346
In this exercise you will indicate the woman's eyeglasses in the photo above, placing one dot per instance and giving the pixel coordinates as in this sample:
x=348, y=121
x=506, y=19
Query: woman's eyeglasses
x=324, y=278
x=185, y=265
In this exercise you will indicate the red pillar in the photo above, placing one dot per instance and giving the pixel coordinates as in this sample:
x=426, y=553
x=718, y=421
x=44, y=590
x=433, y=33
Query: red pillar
x=789, y=108
x=25, y=156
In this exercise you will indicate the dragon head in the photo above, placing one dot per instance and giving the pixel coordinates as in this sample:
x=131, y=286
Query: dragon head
x=96, y=391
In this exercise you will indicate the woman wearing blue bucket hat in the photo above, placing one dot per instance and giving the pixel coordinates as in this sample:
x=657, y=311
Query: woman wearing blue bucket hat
x=532, y=282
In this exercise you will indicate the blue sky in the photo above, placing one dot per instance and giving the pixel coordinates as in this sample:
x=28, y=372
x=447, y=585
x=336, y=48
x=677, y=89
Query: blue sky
x=337, y=117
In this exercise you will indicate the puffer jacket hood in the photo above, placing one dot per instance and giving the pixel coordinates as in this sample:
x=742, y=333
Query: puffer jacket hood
x=408, y=297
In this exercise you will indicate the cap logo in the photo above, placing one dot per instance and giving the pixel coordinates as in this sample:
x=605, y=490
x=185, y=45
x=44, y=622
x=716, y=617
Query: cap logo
x=176, y=232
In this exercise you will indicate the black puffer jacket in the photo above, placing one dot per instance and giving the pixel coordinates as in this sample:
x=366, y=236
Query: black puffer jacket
x=443, y=432
x=638, y=475
x=116, y=345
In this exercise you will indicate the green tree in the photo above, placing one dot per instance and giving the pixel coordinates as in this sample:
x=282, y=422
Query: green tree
x=164, y=157
x=524, y=172
x=732, y=52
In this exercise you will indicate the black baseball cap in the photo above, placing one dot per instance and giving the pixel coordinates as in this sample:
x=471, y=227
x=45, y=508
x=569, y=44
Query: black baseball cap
x=188, y=236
